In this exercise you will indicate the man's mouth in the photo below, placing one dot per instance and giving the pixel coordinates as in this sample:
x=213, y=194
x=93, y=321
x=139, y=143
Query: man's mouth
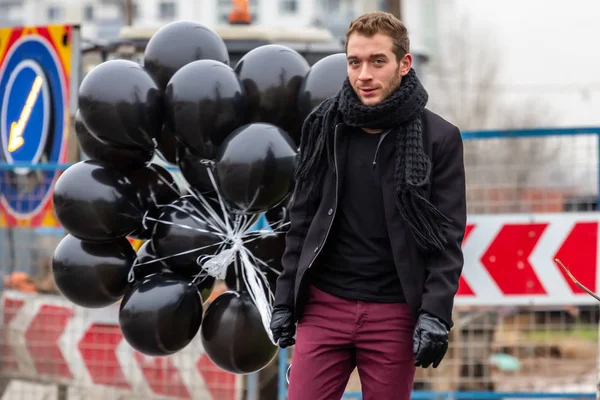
x=367, y=91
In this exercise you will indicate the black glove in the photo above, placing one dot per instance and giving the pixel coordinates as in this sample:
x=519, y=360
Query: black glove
x=283, y=327
x=430, y=341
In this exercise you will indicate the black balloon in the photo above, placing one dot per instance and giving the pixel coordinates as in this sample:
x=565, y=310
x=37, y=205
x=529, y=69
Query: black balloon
x=183, y=235
x=204, y=103
x=233, y=335
x=156, y=188
x=234, y=279
x=96, y=203
x=97, y=149
x=161, y=314
x=279, y=216
x=324, y=80
x=179, y=43
x=271, y=76
x=269, y=248
x=147, y=263
x=155, y=184
x=92, y=274
x=195, y=170
x=121, y=105
x=255, y=167
x=168, y=146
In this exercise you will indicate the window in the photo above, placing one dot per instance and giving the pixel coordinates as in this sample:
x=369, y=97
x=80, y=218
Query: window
x=166, y=10
x=10, y=14
x=88, y=13
x=288, y=6
x=54, y=13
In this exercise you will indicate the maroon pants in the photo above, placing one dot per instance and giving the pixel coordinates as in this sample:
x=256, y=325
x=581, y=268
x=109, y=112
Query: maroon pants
x=336, y=335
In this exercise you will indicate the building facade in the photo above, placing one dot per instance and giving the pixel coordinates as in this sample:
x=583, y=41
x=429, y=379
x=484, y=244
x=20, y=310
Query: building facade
x=102, y=19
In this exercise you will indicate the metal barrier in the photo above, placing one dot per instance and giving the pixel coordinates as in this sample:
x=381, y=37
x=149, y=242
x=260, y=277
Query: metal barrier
x=527, y=333
x=506, y=346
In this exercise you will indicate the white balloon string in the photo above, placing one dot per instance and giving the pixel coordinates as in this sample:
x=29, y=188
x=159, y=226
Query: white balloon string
x=247, y=209
x=256, y=290
x=214, y=215
x=221, y=201
x=200, y=198
x=202, y=219
x=240, y=256
x=233, y=227
x=145, y=219
x=180, y=254
x=258, y=261
x=187, y=227
x=131, y=275
x=217, y=265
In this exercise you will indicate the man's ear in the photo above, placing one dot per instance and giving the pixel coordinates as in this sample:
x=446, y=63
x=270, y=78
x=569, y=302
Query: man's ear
x=405, y=64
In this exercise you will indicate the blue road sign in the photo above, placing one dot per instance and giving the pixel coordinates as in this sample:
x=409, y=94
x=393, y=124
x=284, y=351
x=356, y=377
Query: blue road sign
x=33, y=106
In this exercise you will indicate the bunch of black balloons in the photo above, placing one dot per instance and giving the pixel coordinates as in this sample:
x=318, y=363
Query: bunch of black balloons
x=233, y=134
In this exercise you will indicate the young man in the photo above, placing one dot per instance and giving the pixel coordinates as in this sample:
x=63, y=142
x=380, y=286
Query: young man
x=373, y=255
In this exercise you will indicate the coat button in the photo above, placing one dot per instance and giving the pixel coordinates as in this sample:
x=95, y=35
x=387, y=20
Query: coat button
x=330, y=211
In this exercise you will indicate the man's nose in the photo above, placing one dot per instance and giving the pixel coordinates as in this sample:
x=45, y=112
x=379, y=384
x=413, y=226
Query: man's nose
x=365, y=73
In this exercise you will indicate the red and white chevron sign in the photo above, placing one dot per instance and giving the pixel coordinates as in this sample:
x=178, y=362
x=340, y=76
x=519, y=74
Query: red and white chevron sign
x=48, y=338
x=509, y=259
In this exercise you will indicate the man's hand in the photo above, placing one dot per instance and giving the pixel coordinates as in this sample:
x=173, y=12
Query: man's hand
x=430, y=341
x=283, y=327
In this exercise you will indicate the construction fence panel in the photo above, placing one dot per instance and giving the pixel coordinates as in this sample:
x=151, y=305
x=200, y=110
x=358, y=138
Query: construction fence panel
x=523, y=328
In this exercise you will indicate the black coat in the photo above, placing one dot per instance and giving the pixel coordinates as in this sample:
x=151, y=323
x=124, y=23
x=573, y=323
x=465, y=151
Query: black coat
x=429, y=282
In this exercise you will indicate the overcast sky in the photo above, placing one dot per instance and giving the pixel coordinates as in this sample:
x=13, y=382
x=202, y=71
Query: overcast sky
x=549, y=49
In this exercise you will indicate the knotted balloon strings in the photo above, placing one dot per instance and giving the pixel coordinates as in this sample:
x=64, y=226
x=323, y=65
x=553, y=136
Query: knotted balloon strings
x=233, y=228
x=131, y=276
x=238, y=254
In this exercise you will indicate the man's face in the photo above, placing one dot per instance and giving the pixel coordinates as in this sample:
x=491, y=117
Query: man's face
x=373, y=69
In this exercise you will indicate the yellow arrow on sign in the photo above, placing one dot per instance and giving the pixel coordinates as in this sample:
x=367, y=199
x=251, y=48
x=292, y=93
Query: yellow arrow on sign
x=15, y=138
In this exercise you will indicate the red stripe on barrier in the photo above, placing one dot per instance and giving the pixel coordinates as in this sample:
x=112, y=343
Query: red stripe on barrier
x=579, y=253
x=162, y=376
x=220, y=384
x=463, y=287
x=41, y=338
x=98, y=348
x=508, y=256
x=11, y=308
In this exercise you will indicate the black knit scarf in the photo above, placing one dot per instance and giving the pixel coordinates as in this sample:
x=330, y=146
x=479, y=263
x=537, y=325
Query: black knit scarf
x=401, y=112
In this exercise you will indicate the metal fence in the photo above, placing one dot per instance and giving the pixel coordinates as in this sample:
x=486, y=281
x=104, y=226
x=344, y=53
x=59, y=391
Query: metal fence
x=497, y=351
